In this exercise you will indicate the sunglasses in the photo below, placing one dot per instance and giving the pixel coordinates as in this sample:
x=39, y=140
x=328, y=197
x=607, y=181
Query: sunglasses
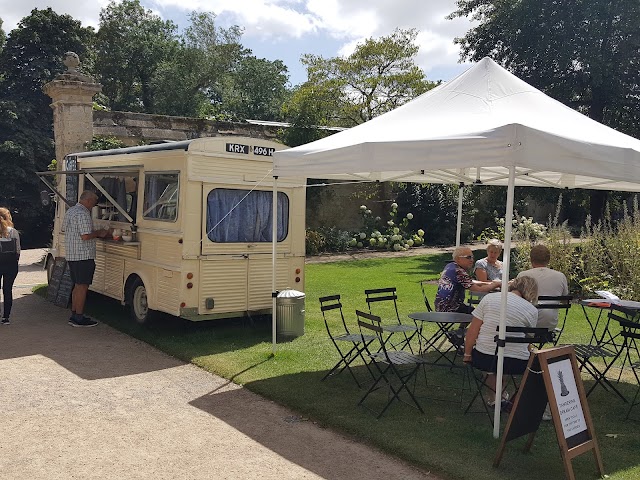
x=468, y=257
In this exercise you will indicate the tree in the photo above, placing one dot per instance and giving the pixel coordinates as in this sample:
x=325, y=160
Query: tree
x=192, y=81
x=584, y=53
x=32, y=56
x=377, y=77
x=131, y=44
x=257, y=89
x=3, y=36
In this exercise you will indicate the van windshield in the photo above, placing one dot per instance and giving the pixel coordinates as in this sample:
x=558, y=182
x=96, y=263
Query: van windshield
x=245, y=216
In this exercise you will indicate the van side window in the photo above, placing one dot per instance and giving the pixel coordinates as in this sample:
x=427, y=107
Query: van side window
x=161, y=192
x=245, y=216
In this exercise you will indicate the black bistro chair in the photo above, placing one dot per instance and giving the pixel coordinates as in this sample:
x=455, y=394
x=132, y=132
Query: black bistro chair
x=388, y=297
x=427, y=304
x=561, y=303
x=396, y=369
x=631, y=335
x=529, y=335
x=349, y=345
x=587, y=353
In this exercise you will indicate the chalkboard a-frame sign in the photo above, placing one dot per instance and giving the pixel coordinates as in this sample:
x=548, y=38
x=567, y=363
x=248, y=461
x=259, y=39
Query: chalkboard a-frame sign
x=60, y=284
x=552, y=375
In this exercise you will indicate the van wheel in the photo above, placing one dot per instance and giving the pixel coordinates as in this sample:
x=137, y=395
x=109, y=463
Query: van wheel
x=137, y=301
x=49, y=267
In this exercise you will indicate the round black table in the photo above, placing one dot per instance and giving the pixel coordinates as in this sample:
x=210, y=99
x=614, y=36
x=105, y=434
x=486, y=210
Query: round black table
x=445, y=321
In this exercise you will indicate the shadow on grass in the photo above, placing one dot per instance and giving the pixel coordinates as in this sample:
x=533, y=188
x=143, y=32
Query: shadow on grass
x=443, y=439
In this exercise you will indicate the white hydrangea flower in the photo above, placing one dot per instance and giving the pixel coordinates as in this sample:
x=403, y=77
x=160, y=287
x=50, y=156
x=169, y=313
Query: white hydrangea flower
x=368, y=212
x=378, y=219
x=421, y=233
x=410, y=242
x=390, y=223
x=410, y=216
x=394, y=205
x=397, y=247
x=372, y=242
x=359, y=245
x=396, y=230
x=363, y=207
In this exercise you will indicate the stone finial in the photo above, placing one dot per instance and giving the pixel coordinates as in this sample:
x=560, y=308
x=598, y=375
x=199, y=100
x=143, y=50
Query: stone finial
x=71, y=61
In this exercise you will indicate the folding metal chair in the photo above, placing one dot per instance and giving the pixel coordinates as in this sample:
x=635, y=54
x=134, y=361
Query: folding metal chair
x=529, y=335
x=396, y=368
x=389, y=297
x=635, y=367
x=349, y=345
x=561, y=303
x=427, y=304
x=586, y=353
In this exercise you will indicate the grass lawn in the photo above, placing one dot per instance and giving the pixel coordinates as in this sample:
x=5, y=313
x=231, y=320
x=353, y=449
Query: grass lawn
x=443, y=440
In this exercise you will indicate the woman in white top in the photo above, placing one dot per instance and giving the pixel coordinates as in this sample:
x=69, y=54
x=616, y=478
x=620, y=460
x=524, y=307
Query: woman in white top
x=480, y=346
x=9, y=255
x=490, y=268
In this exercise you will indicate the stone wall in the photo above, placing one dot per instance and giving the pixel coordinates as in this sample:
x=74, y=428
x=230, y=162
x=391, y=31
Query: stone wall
x=137, y=128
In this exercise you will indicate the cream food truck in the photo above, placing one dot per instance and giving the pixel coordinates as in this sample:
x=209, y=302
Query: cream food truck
x=192, y=225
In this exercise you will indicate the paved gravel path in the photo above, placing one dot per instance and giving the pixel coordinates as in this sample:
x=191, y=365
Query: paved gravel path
x=94, y=403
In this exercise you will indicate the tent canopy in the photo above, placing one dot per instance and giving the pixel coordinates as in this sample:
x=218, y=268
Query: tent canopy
x=471, y=130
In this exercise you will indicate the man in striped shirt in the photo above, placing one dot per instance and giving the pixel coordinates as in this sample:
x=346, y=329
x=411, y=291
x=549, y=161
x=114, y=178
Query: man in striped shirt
x=80, y=245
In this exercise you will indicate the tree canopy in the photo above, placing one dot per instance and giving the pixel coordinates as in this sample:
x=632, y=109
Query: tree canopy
x=131, y=43
x=377, y=77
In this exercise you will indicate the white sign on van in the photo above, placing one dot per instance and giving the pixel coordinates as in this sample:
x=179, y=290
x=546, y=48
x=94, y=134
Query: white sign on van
x=567, y=399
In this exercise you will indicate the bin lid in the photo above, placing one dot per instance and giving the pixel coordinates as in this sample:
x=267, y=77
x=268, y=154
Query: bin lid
x=290, y=293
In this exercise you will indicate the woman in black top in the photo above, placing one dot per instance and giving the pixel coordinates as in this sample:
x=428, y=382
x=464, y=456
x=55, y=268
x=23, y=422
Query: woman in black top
x=9, y=255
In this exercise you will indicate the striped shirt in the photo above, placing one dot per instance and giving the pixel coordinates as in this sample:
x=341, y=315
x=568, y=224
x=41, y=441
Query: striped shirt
x=520, y=313
x=78, y=222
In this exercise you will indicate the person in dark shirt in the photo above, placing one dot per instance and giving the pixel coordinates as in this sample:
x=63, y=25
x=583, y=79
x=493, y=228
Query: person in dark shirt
x=455, y=280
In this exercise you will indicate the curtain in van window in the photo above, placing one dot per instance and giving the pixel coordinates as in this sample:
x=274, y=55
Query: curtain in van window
x=250, y=220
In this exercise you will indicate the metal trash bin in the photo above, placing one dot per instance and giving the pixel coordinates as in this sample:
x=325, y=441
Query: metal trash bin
x=290, y=313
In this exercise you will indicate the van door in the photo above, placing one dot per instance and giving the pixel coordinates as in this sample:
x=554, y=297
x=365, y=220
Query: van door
x=237, y=234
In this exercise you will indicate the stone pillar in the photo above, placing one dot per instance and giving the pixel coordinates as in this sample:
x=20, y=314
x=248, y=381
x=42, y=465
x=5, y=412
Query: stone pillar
x=72, y=94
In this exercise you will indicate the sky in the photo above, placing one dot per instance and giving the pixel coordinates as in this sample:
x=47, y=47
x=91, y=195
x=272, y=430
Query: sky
x=286, y=29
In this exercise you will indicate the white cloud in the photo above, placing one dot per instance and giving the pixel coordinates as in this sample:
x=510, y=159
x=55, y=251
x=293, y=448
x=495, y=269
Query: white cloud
x=12, y=11
x=282, y=23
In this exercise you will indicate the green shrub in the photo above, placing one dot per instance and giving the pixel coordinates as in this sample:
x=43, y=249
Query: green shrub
x=314, y=242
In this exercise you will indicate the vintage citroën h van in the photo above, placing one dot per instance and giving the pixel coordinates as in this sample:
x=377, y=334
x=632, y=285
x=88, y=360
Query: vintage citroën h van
x=192, y=226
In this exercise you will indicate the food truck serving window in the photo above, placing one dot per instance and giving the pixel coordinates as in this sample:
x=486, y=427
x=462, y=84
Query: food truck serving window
x=244, y=215
x=161, y=192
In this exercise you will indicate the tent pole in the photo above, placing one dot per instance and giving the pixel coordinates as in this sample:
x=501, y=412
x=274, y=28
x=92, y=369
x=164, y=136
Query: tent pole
x=459, y=226
x=274, y=244
x=506, y=261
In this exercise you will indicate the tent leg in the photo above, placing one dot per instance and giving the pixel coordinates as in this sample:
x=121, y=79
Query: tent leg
x=274, y=244
x=459, y=226
x=506, y=257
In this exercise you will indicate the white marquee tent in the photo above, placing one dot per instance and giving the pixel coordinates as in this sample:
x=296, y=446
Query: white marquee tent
x=487, y=127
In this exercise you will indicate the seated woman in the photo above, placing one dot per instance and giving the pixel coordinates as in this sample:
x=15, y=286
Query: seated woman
x=480, y=347
x=490, y=268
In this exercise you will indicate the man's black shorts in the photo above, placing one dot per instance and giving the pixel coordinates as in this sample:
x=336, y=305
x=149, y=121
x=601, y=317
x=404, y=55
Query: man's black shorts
x=82, y=271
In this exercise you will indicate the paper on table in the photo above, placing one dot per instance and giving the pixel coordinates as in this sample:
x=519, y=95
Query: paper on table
x=608, y=295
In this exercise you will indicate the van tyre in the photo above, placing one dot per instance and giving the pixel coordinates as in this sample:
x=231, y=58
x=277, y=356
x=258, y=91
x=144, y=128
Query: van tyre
x=137, y=301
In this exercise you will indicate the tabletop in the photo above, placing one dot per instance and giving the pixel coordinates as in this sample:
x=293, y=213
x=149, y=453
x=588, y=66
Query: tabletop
x=604, y=303
x=441, y=317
